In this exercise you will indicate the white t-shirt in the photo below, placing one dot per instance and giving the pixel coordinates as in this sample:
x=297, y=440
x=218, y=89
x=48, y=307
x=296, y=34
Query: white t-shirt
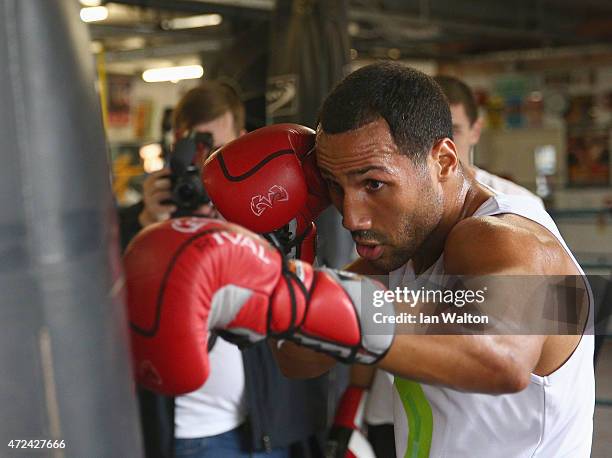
x=502, y=185
x=552, y=417
x=218, y=406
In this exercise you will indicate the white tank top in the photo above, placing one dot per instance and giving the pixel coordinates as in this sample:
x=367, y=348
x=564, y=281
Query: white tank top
x=552, y=417
x=502, y=185
x=379, y=409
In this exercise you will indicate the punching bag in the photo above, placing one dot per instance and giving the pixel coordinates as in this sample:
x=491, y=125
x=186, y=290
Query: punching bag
x=65, y=373
x=245, y=70
x=309, y=55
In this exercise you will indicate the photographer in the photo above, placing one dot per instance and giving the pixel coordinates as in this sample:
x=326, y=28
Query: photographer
x=219, y=114
x=208, y=109
x=246, y=408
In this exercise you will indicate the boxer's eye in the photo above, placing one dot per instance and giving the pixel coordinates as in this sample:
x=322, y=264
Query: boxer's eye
x=374, y=185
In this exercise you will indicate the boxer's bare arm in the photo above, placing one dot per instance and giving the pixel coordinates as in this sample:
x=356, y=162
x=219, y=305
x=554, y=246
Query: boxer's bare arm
x=489, y=363
x=486, y=363
x=299, y=362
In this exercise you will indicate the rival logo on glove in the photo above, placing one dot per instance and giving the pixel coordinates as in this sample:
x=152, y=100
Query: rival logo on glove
x=260, y=203
x=257, y=249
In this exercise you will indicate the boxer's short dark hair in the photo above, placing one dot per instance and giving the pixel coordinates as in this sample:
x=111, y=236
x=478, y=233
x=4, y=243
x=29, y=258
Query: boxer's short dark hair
x=459, y=93
x=411, y=102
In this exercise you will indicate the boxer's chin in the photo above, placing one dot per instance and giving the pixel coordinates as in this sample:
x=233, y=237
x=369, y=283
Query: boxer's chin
x=384, y=265
x=300, y=362
x=391, y=260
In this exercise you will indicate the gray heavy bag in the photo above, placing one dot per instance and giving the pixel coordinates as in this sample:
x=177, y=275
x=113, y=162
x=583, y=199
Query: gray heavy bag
x=309, y=55
x=65, y=374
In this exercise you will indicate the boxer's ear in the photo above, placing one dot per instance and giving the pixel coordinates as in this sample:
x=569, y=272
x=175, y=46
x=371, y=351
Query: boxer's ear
x=444, y=155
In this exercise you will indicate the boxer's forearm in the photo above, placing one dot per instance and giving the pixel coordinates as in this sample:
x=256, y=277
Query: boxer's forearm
x=486, y=364
x=362, y=376
x=300, y=362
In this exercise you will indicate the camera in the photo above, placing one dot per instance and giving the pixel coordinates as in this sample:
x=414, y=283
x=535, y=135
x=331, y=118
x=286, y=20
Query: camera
x=188, y=192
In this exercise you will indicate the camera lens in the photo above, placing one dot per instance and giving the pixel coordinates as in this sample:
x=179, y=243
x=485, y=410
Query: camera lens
x=185, y=192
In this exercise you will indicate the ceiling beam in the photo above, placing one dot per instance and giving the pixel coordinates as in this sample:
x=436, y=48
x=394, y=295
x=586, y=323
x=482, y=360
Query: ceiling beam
x=175, y=49
x=389, y=21
x=568, y=53
x=101, y=30
x=253, y=9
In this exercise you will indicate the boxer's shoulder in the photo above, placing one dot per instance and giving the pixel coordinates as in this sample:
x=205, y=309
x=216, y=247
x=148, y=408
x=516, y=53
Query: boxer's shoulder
x=496, y=244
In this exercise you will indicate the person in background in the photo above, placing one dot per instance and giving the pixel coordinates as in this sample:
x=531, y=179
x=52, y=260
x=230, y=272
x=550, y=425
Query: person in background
x=467, y=126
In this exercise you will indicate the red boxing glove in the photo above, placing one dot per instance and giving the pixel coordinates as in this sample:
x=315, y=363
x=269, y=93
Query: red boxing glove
x=175, y=273
x=187, y=276
x=306, y=244
x=346, y=438
x=268, y=178
x=318, y=196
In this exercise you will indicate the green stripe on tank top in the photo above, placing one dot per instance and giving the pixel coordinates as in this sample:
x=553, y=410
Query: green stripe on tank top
x=420, y=419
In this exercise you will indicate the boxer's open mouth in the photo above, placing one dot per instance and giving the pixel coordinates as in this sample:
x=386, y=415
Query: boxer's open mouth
x=370, y=252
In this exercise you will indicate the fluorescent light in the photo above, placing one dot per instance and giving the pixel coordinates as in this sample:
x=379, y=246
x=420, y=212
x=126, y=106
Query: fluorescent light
x=185, y=72
x=91, y=2
x=192, y=22
x=93, y=14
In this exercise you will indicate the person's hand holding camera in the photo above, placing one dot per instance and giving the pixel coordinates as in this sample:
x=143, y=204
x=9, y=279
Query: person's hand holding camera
x=157, y=195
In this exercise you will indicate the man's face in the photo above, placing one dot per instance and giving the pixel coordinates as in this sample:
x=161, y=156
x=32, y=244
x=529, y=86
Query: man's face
x=465, y=134
x=389, y=204
x=221, y=128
